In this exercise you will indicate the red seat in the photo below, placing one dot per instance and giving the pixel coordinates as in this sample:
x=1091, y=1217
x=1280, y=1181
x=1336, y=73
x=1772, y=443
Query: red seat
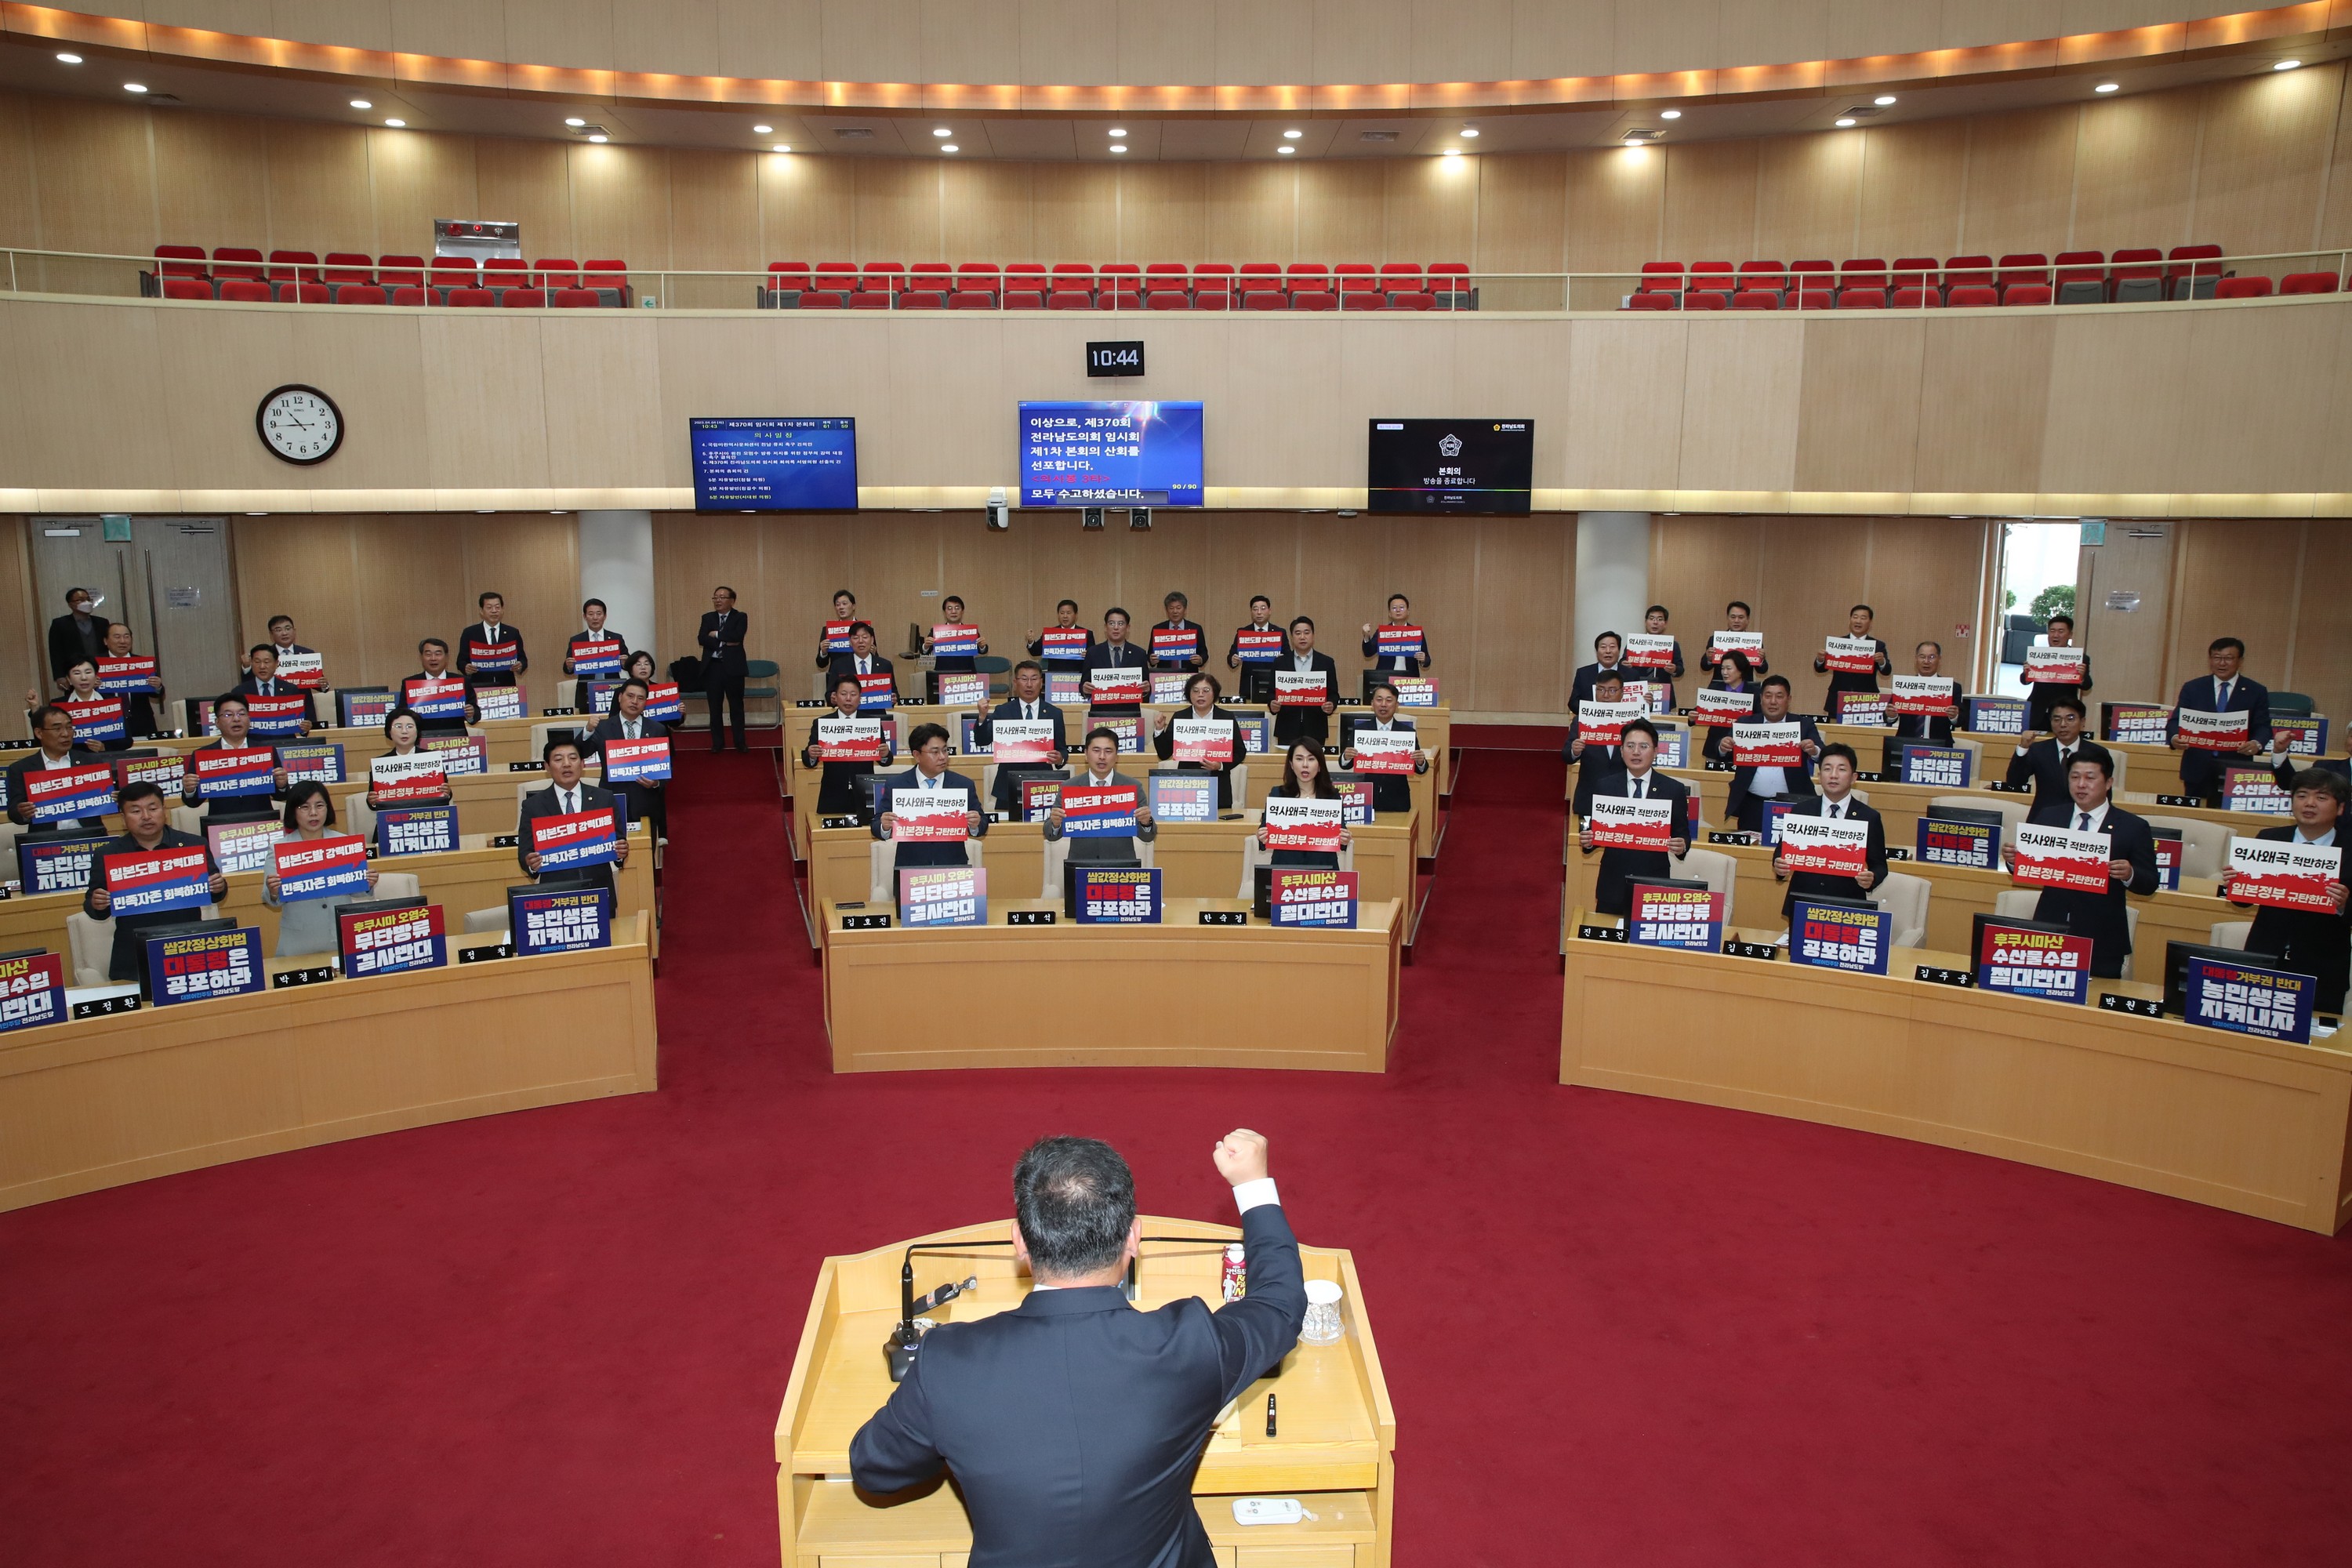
x=2196, y=280
x=1168, y=300
x=1212, y=299
x=1401, y=278
x=1650, y=300
x=1918, y=299
x=1024, y=300
x=309, y=294
x=1121, y=298
x=2024, y=267
x=401, y=271
x=1069, y=300
x=1417, y=301
x=246, y=290
x=1444, y=275
x=816, y=299
x=585, y=299
x=1718, y=275
x=360, y=294
x=869, y=299
x=1756, y=300
x=180, y=261
x=1266, y=300
x=1068, y=275
x=836, y=276
x=1812, y=299
x=450, y=275
x=1660, y=277
x=1123, y=276
x=525, y=299
x=558, y=271
x=2256, y=288
x=1366, y=283
x=1362, y=299
x=2136, y=276
x=1803, y=274
x=2308, y=283
x=1917, y=272
x=1315, y=299
x=1863, y=273
x=408, y=294
x=2026, y=294
x=187, y=288
x=347, y=266
x=920, y=299
x=1972, y=296
x=500, y=272
x=977, y=275
x=1755, y=275
x=471, y=298
x=1707, y=300
x=1967, y=273
x=610, y=276
x=972, y=299
x=1308, y=275
x=1024, y=270
x=289, y=266
x=237, y=261
x=2082, y=276
x=1862, y=298
x=1177, y=274
x=930, y=269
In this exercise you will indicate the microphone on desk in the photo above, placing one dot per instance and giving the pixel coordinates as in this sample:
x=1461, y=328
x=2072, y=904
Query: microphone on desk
x=942, y=1296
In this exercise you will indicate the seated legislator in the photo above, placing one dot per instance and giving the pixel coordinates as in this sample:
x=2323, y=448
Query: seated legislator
x=838, y=793
x=261, y=680
x=592, y=618
x=2041, y=694
x=861, y=659
x=1595, y=762
x=138, y=707
x=491, y=633
x=1256, y=682
x=1607, y=654
x=1613, y=894
x=236, y=727
x=845, y=610
x=639, y=666
x=1309, y=722
x=929, y=744
x=1399, y=615
x=951, y=612
x=1200, y=694
x=1736, y=617
x=1837, y=766
x=53, y=730
x=1114, y=652
x=2225, y=691
x=1653, y=623
x=2307, y=941
x=432, y=656
x=2087, y=809
x=1733, y=675
x=1102, y=769
x=145, y=825
x=2043, y=763
x=401, y=734
x=1391, y=792
x=567, y=794
x=308, y=925
x=1858, y=621
x=1027, y=702
x=1179, y=610
x=1751, y=787
x=1073, y=1424
x=1935, y=729
x=647, y=801
x=1066, y=618
x=1305, y=773
x=81, y=685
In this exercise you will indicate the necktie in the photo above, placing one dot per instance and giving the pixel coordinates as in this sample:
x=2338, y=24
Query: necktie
x=1637, y=789
x=632, y=730
x=862, y=669
x=570, y=803
x=1837, y=812
x=2083, y=822
x=1028, y=710
x=2222, y=688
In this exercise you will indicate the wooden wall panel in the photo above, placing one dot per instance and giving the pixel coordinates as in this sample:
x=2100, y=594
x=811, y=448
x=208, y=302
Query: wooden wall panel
x=1912, y=177
x=2137, y=173
x=2232, y=578
x=1698, y=565
x=2263, y=161
x=1922, y=577
x=1341, y=210
x=96, y=182
x=1624, y=394
x=2324, y=620
x=532, y=561
x=2335, y=218
x=1616, y=205
x=1983, y=395
x=1433, y=209
x=1741, y=400
x=304, y=567
x=212, y=178
x=318, y=187
x=1527, y=579
x=418, y=176
x=1809, y=196
x=807, y=209
x=23, y=624
x=2117, y=402
x=986, y=212
x=1076, y=214
x=714, y=213
x=1522, y=214
x=1858, y=421
x=20, y=208
x=1250, y=211
x=1161, y=213
x=2020, y=182
x=1809, y=604
x=1711, y=201
x=529, y=182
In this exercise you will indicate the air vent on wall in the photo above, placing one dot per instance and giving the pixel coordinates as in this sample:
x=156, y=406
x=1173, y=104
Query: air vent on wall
x=854, y=133
x=1643, y=135
x=1377, y=135
x=1864, y=111
x=592, y=133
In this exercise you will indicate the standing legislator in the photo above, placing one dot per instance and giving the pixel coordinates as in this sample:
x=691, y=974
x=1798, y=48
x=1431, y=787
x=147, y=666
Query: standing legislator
x=1062, y=646
x=647, y=799
x=1102, y=772
x=1608, y=655
x=2043, y=763
x=723, y=664
x=2087, y=809
x=1836, y=803
x=929, y=744
x=1594, y=760
x=1391, y=792
x=859, y=661
x=76, y=635
x=1736, y=617
x=1307, y=721
x=838, y=793
x=1114, y=652
x=138, y=706
x=491, y=641
x=1752, y=786
x=2041, y=694
x=1027, y=704
x=604, y=666
x=1613, y=892
x=2310, y=942
x=1857, y=622
x=1072, y=1423
x=2226, y=692
x=1255, y=648
x=1413, y=663
x=1179, y=643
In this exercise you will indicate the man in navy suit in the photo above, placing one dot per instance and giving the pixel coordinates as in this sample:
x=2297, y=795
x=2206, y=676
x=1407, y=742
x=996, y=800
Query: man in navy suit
x=929, y=744
x=2087, y=808
x=1751, y=787
x=2225, y=691
x=1593, y=762
x=2310, y=942
x=1612, y=893
x=491, y=632
x=1072, y=1423
x=2043, y=762
x=1027, y=702
x=1607, y=650
x=1837, y=767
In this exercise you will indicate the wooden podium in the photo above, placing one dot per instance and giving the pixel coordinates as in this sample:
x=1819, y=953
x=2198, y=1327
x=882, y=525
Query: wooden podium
x=1335, y=1451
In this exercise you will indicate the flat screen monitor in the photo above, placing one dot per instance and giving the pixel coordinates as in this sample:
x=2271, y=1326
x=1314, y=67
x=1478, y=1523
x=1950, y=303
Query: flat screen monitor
x=1110, y=454
x=774, y=465
x=1466, y=465
x=2176, y=957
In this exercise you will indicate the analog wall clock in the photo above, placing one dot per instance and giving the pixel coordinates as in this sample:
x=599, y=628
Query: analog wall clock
x=299, y=424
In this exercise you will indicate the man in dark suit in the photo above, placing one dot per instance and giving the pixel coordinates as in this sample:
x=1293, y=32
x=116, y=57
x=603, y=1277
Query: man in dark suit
x=2043, y=762
x=1102, y=769
x=1115, y=652
x=145, y=826
x=1256, y=683
x=138, y=707
x=1180, y=610
x=1613, y=894
x=567, y=794
x=647, y=801
x=1920, y=729
x=1391, y=792
x=838, y=793
x=1607, y=650
x=2042, y=694
x=1594, y=763
x=844, y=613
x=1309, y=722
x=76, y=635
x=860, y=660
x=929, y=744
x=1399, y=615
x=2225, y=691
x=54, y=752
x=594, y=630
x=433, y=655
x=491, y=632
x=1074, y=1422
x=1028, y=702
x=1858, y=620
x=1836, y=802
x=2305, y=940
x=723, y=665
x=1751, y=787
x=234, y=722
x=1066, y=619
x=2087, y=809
x=261, y=680
x=1736, y=617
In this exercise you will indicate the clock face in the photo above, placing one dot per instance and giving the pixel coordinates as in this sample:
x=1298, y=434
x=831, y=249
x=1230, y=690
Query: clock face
x=299, y=424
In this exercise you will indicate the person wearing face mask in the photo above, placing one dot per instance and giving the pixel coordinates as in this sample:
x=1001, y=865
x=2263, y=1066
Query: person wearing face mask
x=54, y=752
x=1391, y=792
x=308, y=925
x=2043, y=762
x=838, y=793
x=648, y=801
x=1305, y=773
x=402, y=732
x=1027, y=703
x=1640, y=779
x=1751, y=787
x=568, y=795
x=236, y=727
x=76, y=635
x=1307, y=721
x=1102, y=769
x=1200, y=695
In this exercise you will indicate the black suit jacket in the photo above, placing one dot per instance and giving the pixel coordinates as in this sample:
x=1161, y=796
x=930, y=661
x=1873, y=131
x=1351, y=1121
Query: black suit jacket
x=930, y=854
x=2310, y=943
x=1008, y=774
x=68, y=647
x=445, y=726
x=846, y=664
x=541, y=802
x=228, y=807
x=252, y=688
x=1611, y=893
x=2041, y=767
x=1394, y=664
x=838, y=793
x=1164, y=744
x=1074, y=1422
x=1306, y=723
x=1800, y=778
x=1128, y=654
x=644, y=800
x=723, y=648
x=1820, y=884
x=2100, y=916
x=1192, y=661
x=607, y=635
x=1588, y=676
x=1593, y=766
x=2200, y=771
x=1391, y=792
x=2042, y=694
x=480, y=632
x=1065, y=666
x=131, y=930
x=1844, y=682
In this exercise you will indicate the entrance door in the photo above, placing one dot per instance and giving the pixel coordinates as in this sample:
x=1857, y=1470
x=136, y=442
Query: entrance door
x=168, y=582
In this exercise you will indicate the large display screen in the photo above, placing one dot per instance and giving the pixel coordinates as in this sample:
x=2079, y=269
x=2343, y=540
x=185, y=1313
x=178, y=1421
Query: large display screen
x=1110, y=454
x=775, y=465
x=1452, y=465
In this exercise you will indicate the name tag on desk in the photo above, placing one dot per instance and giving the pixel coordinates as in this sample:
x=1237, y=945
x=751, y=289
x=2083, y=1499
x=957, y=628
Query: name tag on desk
x=105, y=1007
x=486, y=954
x=285, y=978
x=1934, y=976
x=1763, y=950
x=505, y=841
x=1602, y=934
x=866, y=923
x=2143, y=1006
x=1031, y=917
x=1224, y=916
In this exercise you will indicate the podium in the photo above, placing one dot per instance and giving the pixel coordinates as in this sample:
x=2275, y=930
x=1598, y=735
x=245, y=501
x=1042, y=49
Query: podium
x=1334, y=1452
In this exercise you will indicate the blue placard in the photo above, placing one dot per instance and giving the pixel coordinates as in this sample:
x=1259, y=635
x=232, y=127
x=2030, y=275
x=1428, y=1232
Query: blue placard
x=363, y=707
x=599, y=694
x=1993, y=715
x=1947, y=767
x=1674, y=746
x=1182, y=797
x=150, y=881
x=1110, y=454
x=1312, y=900
x=206, y=964
x=322, y=761
x=1686, y=918
x=2168, y=853
x=942, y=896
x=391, y=942
x=416, y=830
x=1355, y=802
x=2050, y=965
x=774, y=465
x=69, y=795
x=1118, y=895
x=32, y=990
x=2250, y=999
x=585, y=839
x=1958, y=841
x=56, y=865
x=1837, y=936
x=1774, y=810
x=1257, y=729
x=559, y=920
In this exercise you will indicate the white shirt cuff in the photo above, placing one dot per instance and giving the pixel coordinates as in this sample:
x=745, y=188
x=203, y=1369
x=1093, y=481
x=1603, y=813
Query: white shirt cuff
x=1248, y=1195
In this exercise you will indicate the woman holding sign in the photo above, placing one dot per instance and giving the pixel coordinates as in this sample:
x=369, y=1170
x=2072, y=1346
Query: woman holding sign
x=409, y=765
x=306, y=920
x=1305, y=775
x=1201, y=744
x=98, y=723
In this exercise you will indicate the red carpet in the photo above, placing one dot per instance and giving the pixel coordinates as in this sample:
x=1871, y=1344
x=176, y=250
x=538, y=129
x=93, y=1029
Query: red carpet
x=1617, y=1330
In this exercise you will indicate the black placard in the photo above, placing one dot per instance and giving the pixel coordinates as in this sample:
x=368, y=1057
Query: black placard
x=567, y=712
x=2004, y=788
x=2144, y=1007
x=1114, y=359
x=486, y=954
x=1763, y=950
x=1224, y=916
x=2178, y=800
x=812, y=702
x=866, y=923
x=1030, y=917
x=1934, y=976
x=287, y=978
x=105, y=1007
x=1896, y=852
x=836, y=821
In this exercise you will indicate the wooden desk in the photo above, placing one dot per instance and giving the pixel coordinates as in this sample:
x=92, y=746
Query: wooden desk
x=2239, y=1124
x=509, y=740
x=104, y=1101
x=1198, y=995
x=1334, y=1450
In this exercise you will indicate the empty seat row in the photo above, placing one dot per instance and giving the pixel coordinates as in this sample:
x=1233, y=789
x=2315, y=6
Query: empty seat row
x=1209, y=285
x=2072, y=277
x=250, y=290
x=1097, y=299
x=1966, y=296
x=285, y=273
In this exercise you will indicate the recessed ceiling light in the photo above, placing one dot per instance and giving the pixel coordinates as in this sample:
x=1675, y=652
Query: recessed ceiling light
x=70, y=59
x=1883, y=100
x=950, y=147
x=574, y=121
x=941, y=130
x=1845, y=120
x=134, y=87
x=396, y=124
x=361, y=103
x=781, y=147
x=1287, y=152
x=1118, y=146
x=600, y=138
x=2108, y=87
x=1454, y=152
x=1292, y=135
x=2286, y=65
x=1670, y=114
x=1119, y=131
x=1470, y=131
x=763, y=131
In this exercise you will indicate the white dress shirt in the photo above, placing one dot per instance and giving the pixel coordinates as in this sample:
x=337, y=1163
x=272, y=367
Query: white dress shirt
x=2092, y=821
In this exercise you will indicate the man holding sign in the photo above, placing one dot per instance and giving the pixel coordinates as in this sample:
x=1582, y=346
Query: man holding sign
x=557, y=831
x=2221, y=716
x=136, y=864
x=1101, y=812
x=1179, y=643
x=490, y=650
x=1626, y=824
x=2054, y=668
x=1121, y=696
x=2086, y=853
x=2303, y=918
x=1925, y=704
x=442, y=700
x=291, y=711
x=1386, y=747
x=636, y=756
x=1032, y=738
x=930, y=812
x=954, y=646
x=1854, y=662
x=1300, y=714
x=229, y=777
x=1062, y=646
x=1737, y=638
x=1596, y=732
x=849, y=746
x=77, y=797
x=131, y=676
x=1832, y=846
x=594, y=653
x=1777, y=760
x=1396, y=647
